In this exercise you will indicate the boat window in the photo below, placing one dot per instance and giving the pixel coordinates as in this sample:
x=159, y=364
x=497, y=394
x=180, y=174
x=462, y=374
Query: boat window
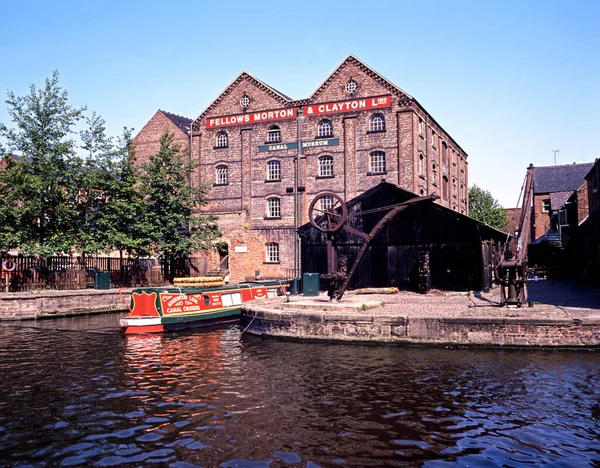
x=272, y=293
x=230, y=299
x=206, y=299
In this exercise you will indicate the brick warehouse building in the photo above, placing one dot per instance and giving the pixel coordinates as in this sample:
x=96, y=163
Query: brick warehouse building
x=356, y=129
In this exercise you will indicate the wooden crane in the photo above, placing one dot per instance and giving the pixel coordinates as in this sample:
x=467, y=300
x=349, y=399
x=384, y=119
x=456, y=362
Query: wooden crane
x=511, y=274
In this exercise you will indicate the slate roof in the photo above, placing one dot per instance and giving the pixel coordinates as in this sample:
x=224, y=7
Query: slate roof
x=558, y=199
x=182, y=122
x=567, y=178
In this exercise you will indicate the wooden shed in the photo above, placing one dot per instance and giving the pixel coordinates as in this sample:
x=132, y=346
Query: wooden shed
x=427, y=241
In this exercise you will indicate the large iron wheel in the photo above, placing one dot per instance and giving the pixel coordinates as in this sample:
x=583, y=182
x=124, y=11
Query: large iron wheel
x=327, y=212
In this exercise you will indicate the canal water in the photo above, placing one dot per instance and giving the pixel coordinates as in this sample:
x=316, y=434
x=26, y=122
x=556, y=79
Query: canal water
x=74, y=392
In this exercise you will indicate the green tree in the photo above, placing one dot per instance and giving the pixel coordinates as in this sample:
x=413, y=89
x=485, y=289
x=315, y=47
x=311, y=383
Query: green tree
x=173, y=226
x=485, y=208
x=44, y=122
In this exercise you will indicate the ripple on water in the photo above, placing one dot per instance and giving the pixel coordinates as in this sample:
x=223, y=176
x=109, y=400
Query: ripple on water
x=108, y=400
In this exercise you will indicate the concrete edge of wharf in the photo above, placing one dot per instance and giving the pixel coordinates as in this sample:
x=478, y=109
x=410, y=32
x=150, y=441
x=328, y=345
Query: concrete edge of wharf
x=437, y=319
x=31, y=305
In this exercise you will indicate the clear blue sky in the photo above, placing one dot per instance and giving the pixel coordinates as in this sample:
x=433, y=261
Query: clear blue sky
x=509, y=80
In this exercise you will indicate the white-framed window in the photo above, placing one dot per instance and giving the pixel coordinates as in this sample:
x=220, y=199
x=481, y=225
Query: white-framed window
x=377, y=162
x=273, y=207
x=326, y=166
x=222, y=140
x=273, y=170
x=274, y=134
x=272, y=252
x=377, y=123
x=222, y=175
x=325, y=128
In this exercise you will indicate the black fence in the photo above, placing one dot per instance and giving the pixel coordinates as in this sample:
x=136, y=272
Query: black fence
x=28, y=273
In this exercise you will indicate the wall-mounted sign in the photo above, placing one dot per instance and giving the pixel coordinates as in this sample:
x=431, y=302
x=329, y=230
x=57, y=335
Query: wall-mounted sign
x=294, y=145
x=338, y=107
x=251, y=117
x=240, y=248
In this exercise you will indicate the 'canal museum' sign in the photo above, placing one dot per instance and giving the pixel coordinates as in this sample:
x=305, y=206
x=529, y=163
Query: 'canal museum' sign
x=294, y=145
x=338, y=107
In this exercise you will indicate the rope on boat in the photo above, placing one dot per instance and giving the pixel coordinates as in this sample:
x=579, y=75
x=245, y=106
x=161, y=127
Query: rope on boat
x=124, y=301
x=248, y=326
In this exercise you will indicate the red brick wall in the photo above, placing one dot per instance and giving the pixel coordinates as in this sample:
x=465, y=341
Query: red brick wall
x=147, y=141
x=582, y=202
x=541, y=219
x=241, y=204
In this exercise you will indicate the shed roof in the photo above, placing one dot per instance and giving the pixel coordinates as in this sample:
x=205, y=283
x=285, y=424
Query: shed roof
x=565, y=178
x=486, y=232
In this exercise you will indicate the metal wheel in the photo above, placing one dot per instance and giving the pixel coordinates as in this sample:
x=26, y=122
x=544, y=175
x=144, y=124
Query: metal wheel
x=327, y=212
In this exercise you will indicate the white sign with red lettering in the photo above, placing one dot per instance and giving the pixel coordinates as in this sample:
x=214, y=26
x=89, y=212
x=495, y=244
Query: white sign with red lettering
x=338, y=107
x=251, y=117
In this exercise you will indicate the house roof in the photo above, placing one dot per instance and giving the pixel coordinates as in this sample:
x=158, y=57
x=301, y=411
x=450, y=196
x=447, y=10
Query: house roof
x=558, y=199
x=566, y=178
x=182, y=122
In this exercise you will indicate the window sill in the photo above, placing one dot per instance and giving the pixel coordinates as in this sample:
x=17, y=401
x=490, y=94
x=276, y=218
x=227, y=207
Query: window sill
x=220, y=185
x=375, y=131
x=324, y=177
x=272, y=142
x=422, y=137
x=324, y=137
x=272, y=217
x=422, y=177
x=376, y=173
x=271, y=263
x=270, y=181
x=220, y=147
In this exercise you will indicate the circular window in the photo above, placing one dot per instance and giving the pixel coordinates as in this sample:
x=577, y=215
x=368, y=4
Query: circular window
x=351, y=86
x=245, y=101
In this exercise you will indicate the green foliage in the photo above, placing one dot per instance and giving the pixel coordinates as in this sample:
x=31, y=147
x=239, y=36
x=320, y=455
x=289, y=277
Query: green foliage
x=44, y=211
x=175, y=230
x=55, y=201
x=485, y=208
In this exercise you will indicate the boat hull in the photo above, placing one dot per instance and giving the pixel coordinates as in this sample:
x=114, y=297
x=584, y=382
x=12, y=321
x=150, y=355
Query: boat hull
x=156, y=310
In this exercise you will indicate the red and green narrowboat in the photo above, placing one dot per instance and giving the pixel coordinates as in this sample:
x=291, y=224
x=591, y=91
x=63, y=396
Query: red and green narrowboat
x=155, y=310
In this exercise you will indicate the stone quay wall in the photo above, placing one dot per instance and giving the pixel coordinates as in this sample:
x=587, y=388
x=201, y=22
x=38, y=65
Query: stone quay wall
x=441, y=331
x=46, y=304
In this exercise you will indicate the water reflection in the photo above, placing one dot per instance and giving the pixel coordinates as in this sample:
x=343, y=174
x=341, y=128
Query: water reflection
x=213, y=398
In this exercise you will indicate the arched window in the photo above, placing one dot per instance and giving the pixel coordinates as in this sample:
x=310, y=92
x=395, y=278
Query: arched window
x=273, y=207
x=444, y=153
x=377, y=123
x=272, y=252
x=445, y=187
x=222, y=175
x=326, y=166
x=274, y=134
x=325, y=129
x=222, y=140
x=421, y=164
x=273, y=170
x=377, y=162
